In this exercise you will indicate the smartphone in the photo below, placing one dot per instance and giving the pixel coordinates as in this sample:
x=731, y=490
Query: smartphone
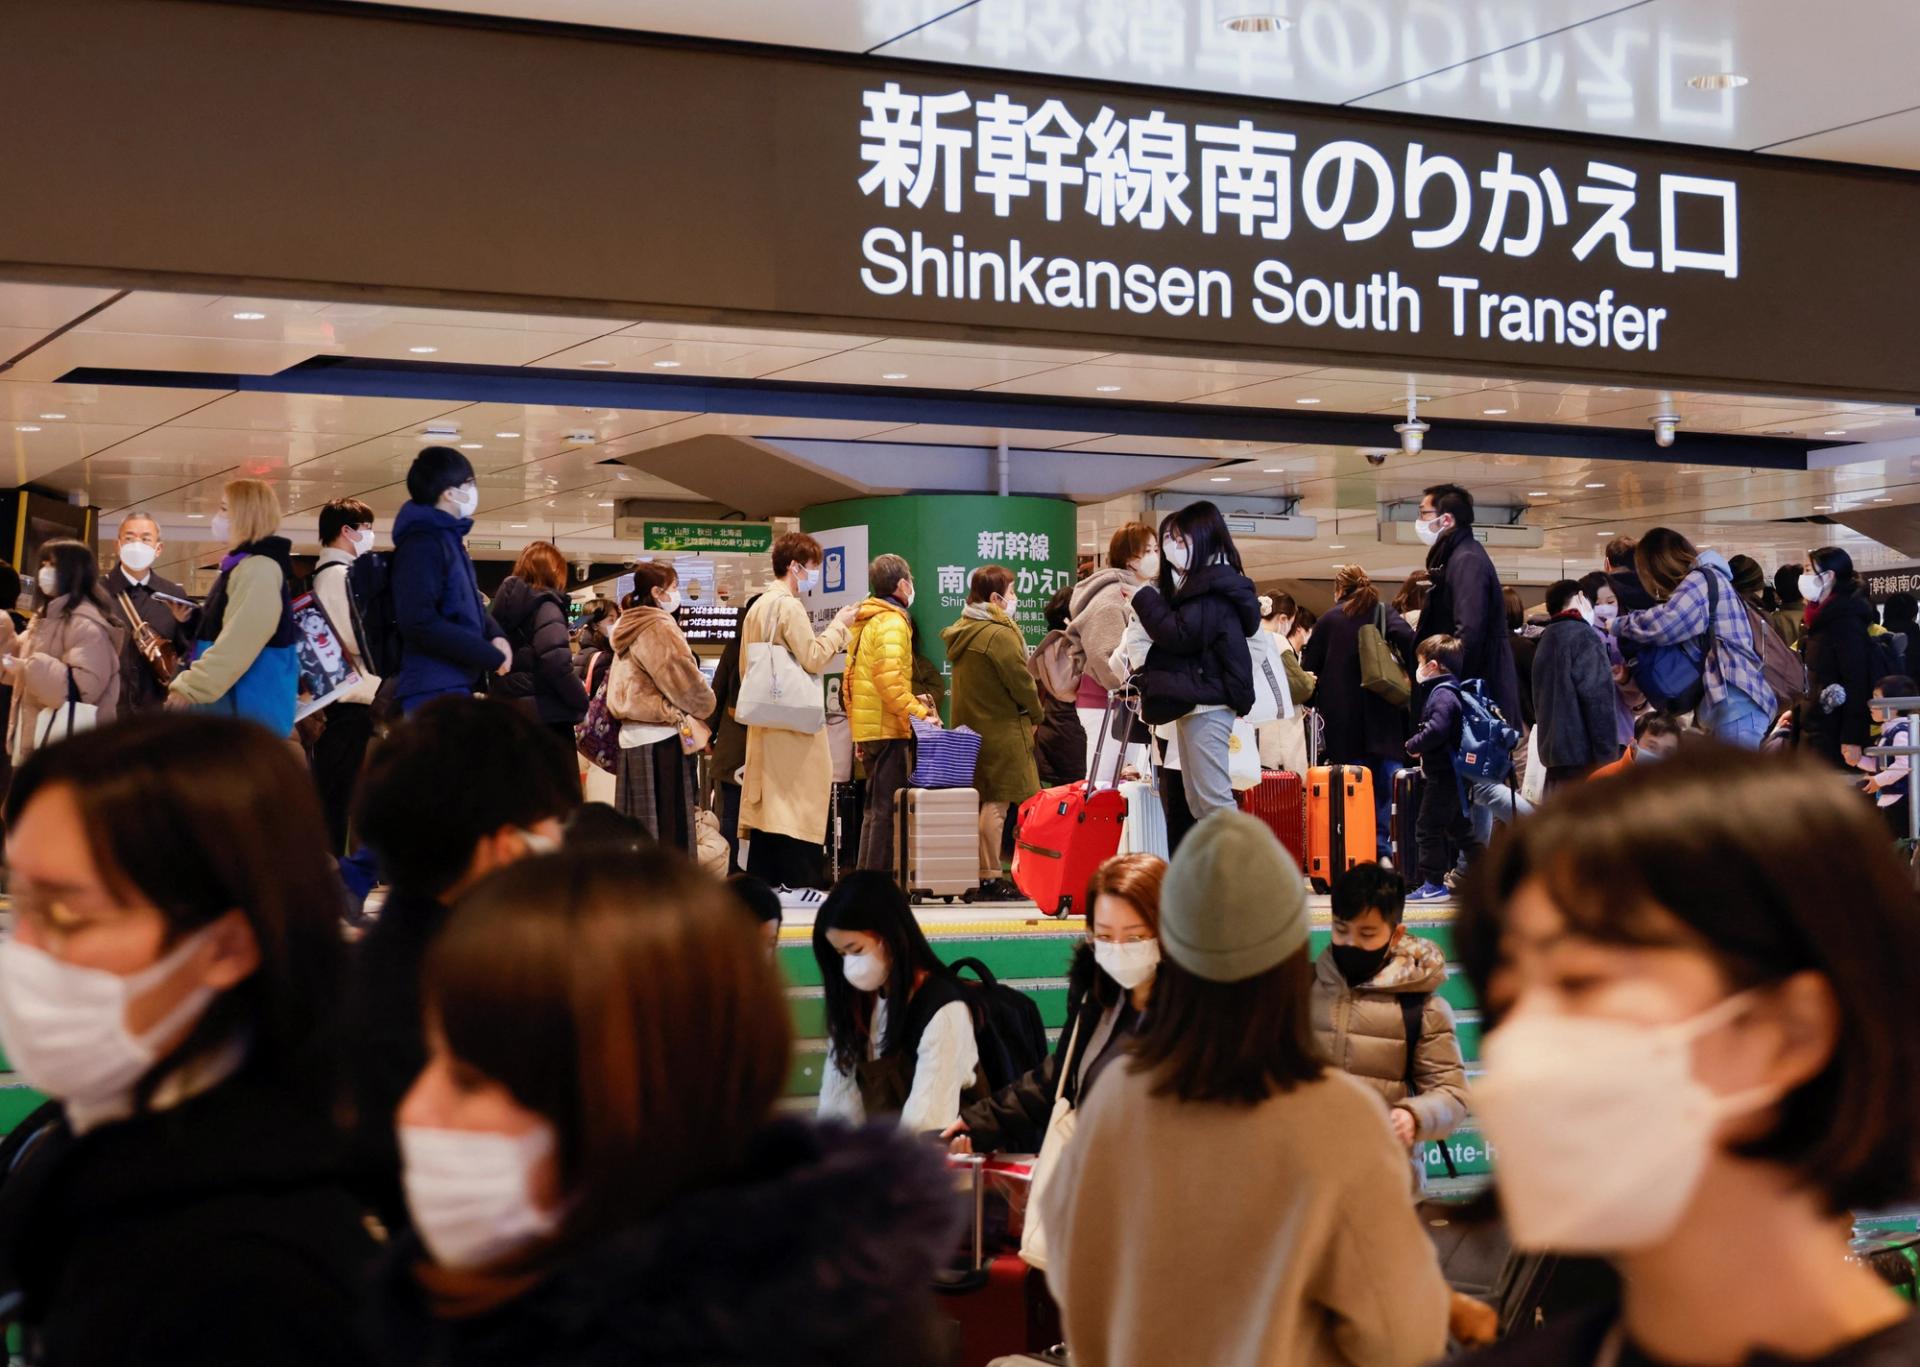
x=175, y=599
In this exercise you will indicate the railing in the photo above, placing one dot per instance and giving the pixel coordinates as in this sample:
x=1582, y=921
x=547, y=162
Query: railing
x=1886, y=709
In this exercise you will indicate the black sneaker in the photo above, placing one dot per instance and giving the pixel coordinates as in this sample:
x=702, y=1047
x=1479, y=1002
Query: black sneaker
x=999, y=890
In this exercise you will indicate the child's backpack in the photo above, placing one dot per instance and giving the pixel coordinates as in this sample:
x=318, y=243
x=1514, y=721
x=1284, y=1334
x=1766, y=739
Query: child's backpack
x=1486, y=739
x=370, y=589
x=1886, y=653
x=1007, y=1028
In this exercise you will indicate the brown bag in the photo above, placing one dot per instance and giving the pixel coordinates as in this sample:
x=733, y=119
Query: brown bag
x=1051, y=665
x=1381, y=672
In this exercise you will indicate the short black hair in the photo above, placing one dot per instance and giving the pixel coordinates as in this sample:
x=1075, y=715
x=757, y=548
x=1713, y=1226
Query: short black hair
x=1447, y=651
x=756, y=894
x=434, y=471
x=600, y=826
x=1591, y=583
x=1709, y=852
x=1366, y=887
x=10, y=586
x=1450, y=500
x=340, y=514
x=1786, y=583
x=452, y=774
x=1897, y=686
x=1059, y=608
x=1560, y=593
x=1657, y=724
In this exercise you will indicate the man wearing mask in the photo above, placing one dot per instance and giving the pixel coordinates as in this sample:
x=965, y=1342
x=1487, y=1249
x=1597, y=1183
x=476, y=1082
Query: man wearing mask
x=133, y=577
x=1573, y=691
x=878, y=692
x=450, y=641
x=1466, y=599
x=346, y=533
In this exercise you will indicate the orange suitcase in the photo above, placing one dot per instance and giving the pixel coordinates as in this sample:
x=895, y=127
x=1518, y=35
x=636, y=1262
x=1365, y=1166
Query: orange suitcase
x=1340, y=821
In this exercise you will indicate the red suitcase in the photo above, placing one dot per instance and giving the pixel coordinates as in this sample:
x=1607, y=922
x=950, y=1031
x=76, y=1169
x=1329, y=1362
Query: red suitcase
x=1066, y=833
x=1280, y=800
x=987, y=1293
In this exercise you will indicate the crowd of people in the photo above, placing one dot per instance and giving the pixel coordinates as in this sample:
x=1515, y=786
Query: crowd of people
x=528, y=1110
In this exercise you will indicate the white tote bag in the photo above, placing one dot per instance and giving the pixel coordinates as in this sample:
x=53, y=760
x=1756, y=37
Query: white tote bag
x=1060, y=1126
x=1243, y=756
x=1534, y=787
x=65, y=719
x=775, y=691
x=1272, y=699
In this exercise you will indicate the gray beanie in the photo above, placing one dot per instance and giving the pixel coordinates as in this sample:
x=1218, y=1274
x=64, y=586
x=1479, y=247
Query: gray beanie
x=1234, y=903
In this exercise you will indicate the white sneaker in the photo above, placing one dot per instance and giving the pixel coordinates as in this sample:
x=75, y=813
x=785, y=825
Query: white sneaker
x=800, y=897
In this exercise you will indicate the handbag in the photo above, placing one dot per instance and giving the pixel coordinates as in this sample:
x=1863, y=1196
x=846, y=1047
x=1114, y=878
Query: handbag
x=1272, y=694
x=942, y=757
x=57, y=723
x=1381, y=672
x=1060, y=1127
x=1243, y=756
x=776, y=692
x=597, y=737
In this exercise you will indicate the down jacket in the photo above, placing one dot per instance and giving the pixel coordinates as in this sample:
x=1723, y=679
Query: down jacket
x=655, y=677
x=1362, y=1032
x=246, y=661
x=65, y=636
x=1200, y=656
x=1839, y=650
x=446, y=631
x=878, y=687
x=995, y=695
x=535, y=621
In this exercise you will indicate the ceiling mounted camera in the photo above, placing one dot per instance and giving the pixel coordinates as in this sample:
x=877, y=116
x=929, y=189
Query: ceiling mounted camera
x=1664, y=426
x=1376, y=457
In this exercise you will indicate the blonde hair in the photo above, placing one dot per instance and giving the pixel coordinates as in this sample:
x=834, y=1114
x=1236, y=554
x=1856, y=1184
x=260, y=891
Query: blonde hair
x=253, y=511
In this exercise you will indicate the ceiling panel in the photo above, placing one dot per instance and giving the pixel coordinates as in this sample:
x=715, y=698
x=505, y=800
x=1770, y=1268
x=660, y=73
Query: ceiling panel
x=1890, y=140
x=45, y=404
x=42, y=308
x=328, y=413
x=1102, y=380
x=920, y=371
x=848, y=25
x=657, y=355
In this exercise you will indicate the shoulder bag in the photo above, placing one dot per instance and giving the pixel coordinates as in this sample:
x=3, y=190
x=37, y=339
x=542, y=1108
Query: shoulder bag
x=58, y=722
x=775, y=691
x=1381, y=672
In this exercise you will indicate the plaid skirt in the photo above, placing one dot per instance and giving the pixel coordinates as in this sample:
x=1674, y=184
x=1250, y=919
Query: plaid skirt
x=655, y=784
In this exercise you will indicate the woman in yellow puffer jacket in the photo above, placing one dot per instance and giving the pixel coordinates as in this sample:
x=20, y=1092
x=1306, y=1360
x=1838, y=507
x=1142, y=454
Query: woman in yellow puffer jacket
x=877, y=692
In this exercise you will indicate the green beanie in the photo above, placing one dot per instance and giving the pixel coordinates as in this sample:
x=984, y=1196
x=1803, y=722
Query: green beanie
x=1234, y=903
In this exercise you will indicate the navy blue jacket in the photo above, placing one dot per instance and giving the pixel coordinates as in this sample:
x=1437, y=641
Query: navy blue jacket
x=1439, y=733
x=1466, y=601
x=444, y=626
x=1574, y=696
x=1199, y=656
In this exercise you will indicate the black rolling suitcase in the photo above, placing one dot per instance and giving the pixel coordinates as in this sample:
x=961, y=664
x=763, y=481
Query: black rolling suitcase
x=1409, y=786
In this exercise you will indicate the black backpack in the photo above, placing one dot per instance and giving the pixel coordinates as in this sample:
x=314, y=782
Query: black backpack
x=370, y=591
x=1007, y=1028
x=1413, y=1014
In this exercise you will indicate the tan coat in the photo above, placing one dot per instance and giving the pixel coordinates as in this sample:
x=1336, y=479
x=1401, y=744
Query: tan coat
x=84, y=640
x=789, y=780
x=1363, y=1033
x=655, y=678
x=1276, y=1235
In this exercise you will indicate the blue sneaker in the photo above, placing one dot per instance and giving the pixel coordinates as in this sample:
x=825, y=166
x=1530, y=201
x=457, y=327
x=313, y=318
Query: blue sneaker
x=1430, y=892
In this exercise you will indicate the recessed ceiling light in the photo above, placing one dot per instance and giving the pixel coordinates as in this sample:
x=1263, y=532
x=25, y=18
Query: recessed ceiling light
x=1883, y=500
x=506, y=436
x=597, y=365
x=1106, y=389
x=197, y=515
x=52, y=417
x=606, y=503
x=471, y=445
x=423, y=350
x=248, y=316
x=666, y=365
x=517, y=526
x=1223, y=479
x=1494, y=412
x=1537, y=493
x=894, y=375
x=1337, y=546
x=1307, y=401
x=1275, y=470
x=1603, y=533
x=1823, y=507
x=1717, y=80
x=1836, y=432
x=26, y=427
x=1597, y=484
x=1257, y=23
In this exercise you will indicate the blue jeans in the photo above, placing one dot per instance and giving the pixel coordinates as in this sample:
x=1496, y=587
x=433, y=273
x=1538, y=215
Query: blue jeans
x=1491, y=802
x=1383, y=771
x=1735, y=720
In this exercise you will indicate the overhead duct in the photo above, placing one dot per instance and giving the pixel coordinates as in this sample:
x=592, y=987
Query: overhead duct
x=1251, y=519
x=1494, y=527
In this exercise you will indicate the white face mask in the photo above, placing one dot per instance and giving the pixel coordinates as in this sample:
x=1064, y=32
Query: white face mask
x=1601, y=1128
x=1428, y=530
x=1584, y=608
x=1010, y=605
x=1178, y=555
x=471, y=1192
x=671, y=603
x=138, y=556
x=460, y=501
x=907, y=600
x=49, y=580
x=1605, y=613
x=1147, y=567
x=865, y=972
x=361, y=540
x=1813, y=587
x=1128, y=964
x=64, y=1027
x=810, y=579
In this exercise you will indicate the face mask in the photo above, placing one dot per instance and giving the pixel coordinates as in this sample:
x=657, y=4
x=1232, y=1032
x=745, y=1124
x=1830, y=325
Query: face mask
x=65, y=1027
x=671, y=603
x=1428, y=530
x=1585, y=609
x=1178, y=555
x=1602, y=1130
x=907, y=601
x=221, y=527
x=1644, y=756
x=1010, y=605
x=865, y=972
x=460, y=501
x=1147, y=568
x=1813, y=587
x=1130, y=964
x=1359, y=965
x=137, y=556
x=809, y=580
x=1605, y=613
x=49, y=580
x=537, y=843
x=361, y=541
x=471, y=1192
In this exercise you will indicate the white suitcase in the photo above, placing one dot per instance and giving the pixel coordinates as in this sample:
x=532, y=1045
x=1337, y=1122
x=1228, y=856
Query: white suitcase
x=937, y=842
x=1145, y=829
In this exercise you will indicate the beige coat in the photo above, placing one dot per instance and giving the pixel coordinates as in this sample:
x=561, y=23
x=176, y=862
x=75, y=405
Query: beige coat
x=84, y=640
x=789, y=781
x=1365, y=1034
x=1276, y=1235
x=655, y=677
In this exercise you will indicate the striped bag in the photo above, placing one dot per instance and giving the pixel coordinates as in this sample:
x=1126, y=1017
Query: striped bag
x=943, y=758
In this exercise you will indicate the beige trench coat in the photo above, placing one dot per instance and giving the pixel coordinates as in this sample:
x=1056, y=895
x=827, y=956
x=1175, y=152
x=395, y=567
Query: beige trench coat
x=789, y=781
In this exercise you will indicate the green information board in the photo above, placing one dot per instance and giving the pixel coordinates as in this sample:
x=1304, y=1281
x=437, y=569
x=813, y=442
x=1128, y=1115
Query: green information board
x=727, y=538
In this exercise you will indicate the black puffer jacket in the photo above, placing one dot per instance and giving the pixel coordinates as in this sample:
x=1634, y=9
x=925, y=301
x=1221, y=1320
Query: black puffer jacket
x=822, y=1252
x=535, y=621
x=1199, y=656
x=1838, y=651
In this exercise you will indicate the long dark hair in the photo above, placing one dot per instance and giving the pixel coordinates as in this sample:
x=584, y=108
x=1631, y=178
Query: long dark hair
x=1834, y=560
x=1204, y=530
x=1236, y=1043
x=201, y=816
x=870, y=902
x=76, y=574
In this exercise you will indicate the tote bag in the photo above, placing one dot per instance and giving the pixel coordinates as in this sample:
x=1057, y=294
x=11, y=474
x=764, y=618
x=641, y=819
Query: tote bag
x=1381, y=672
x=67, y=719
x=776, y=692
x=942, y=757
x=1272, y=698
x=1060, y=1127
x=1243, y=756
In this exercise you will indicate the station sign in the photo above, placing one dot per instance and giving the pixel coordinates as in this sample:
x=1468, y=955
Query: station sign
x=724, y=538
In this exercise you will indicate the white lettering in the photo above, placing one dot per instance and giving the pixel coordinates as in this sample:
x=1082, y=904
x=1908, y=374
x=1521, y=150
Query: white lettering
x=1176, y=292
x=883, y=237
x=1267, y=287
x=1459, y=285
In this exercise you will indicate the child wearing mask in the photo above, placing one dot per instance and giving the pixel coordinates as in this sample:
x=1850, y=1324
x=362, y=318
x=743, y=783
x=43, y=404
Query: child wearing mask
x=1377, y=1009
x=1443, y=827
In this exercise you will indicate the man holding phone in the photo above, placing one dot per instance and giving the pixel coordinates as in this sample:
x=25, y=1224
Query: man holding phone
x=161, y=603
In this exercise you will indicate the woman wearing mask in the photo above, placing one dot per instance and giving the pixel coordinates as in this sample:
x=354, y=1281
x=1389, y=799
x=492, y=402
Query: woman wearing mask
x=1695, y=599
x=660, y=696
x=246, y=663
x=995, y=695
x=174, y=962
x=1835, y=720
x=626, y=1193
x=531, y=608
x=1200, y=673
x=1283, y=743
x=1097, y=616
x=1749, y=1062
x=71, y=650
x=899, y=1035
x=1225, y=1114
x=450, y=641
x=1362, y=727
x=789, y=774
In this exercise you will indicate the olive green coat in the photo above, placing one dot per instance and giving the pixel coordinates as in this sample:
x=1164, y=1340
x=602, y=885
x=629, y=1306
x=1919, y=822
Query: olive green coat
x=995, y=695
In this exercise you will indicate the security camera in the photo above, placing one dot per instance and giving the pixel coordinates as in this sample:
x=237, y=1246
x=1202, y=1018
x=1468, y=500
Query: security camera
x=1413, y=433
x=581, y=569
x=1664, y=426
x=1376, y=457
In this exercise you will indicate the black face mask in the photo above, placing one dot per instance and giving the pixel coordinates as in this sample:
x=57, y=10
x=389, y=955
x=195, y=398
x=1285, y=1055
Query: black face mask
x=1359, y=965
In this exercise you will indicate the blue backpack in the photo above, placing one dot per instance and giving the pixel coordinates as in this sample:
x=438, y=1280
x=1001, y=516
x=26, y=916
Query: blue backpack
x=1486, y=739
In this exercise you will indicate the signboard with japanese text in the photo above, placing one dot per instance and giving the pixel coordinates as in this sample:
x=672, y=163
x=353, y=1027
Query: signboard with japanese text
x=726, y=538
